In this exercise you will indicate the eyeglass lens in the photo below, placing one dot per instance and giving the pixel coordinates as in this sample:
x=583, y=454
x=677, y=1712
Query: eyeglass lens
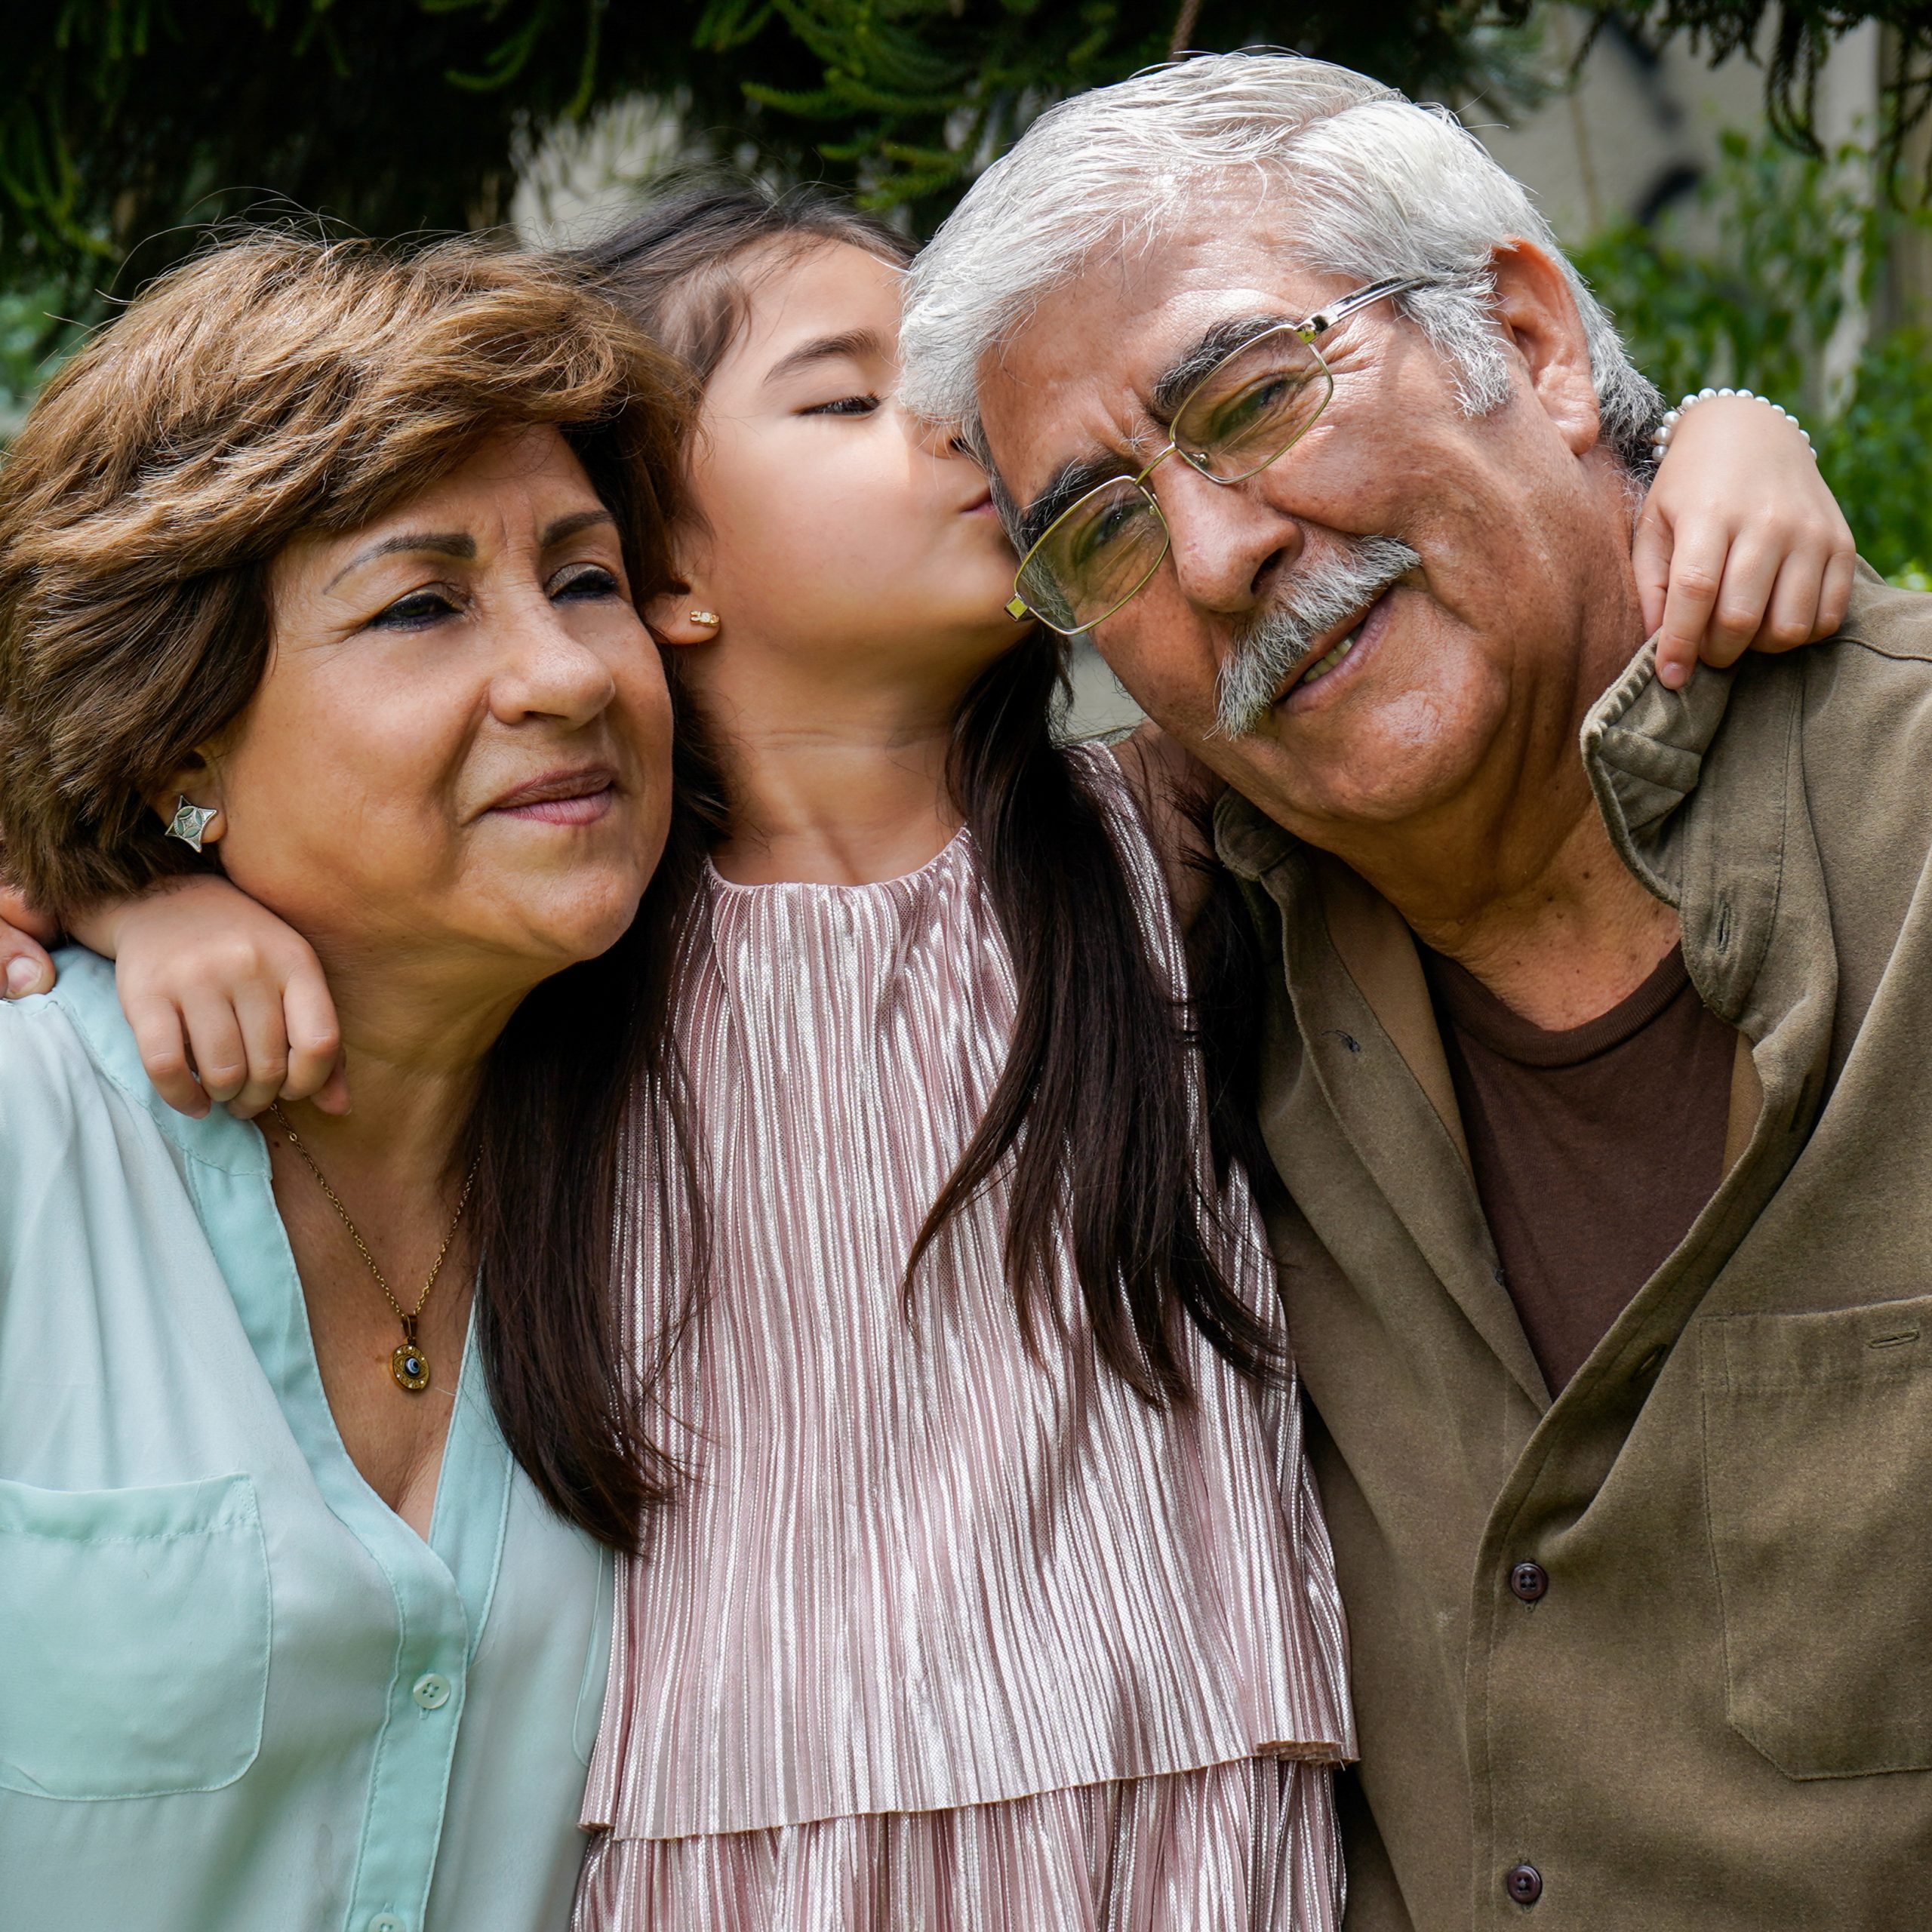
x=1248, y=412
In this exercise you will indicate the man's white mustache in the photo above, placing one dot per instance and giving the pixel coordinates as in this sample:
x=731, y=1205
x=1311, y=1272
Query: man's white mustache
x=1348, y=575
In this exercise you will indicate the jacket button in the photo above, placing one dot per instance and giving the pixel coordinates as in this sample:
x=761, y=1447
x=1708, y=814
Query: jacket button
x=1523, y=1883
x=1530, y=1581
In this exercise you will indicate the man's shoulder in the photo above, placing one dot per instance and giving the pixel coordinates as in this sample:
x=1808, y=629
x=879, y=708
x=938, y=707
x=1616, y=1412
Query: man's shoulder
x=1886, y=621
x=1864, y=714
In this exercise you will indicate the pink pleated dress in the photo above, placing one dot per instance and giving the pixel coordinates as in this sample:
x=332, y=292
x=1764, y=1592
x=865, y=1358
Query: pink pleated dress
x=943, y=1636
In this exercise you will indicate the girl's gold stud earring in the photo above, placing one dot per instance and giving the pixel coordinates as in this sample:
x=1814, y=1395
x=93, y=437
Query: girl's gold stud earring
x=707, y=618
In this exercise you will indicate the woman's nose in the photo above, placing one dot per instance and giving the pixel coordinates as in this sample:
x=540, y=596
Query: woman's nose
x=546, y=670
x=1226, y=540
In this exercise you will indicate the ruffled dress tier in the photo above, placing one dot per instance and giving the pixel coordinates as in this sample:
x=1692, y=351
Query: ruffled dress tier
x=944, y=1635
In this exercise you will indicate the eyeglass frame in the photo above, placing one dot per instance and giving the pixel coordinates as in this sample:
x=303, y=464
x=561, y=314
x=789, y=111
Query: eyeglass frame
x=1318, y=324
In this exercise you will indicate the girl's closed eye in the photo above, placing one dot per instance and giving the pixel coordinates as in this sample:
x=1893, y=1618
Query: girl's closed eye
x=844, y=405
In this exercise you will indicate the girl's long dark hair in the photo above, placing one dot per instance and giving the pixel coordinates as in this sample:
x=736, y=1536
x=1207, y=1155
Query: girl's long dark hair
x=1093, y=1108
x=584, y=1112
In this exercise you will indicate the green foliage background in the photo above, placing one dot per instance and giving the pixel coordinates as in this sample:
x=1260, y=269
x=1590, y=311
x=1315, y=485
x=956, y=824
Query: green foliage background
x=1799, y=239
x=126, y=125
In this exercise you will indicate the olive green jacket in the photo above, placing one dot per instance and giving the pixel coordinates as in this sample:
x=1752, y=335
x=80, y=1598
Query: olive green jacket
x=1718, y=1713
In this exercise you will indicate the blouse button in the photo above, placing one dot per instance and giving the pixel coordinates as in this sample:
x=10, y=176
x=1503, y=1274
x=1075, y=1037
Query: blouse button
x=388, y=1921
x=432, y=1692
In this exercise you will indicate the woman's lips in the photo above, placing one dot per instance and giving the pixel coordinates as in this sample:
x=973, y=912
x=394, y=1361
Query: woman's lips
x=562, y=798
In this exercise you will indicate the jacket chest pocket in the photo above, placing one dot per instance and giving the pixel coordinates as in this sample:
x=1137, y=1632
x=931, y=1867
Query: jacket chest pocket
x=1818, y=1479
x=134, y=1638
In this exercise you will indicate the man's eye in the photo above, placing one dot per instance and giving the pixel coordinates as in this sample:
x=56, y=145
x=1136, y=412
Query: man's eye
x=416, y=611
x=846, y=405
x=1106, y=528
x=587, y=581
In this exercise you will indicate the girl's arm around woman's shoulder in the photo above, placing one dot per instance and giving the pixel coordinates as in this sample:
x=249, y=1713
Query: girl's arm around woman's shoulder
x=228, y=1005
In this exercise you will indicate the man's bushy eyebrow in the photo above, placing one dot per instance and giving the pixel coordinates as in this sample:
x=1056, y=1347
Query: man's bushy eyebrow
x=1075, y=479
x=1081, y=474
x=1172, y=388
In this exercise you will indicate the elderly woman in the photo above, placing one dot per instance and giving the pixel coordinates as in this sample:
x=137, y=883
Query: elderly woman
x=322, y=565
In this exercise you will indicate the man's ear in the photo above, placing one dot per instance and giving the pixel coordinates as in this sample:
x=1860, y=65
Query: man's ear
x=1536, y=311
x=191, y=799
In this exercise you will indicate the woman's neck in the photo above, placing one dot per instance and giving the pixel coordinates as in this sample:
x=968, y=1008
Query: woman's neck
x=843, y=786
x=414, y=1042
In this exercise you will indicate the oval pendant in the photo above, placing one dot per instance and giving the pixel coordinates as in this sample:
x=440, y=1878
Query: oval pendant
x=410, y=1368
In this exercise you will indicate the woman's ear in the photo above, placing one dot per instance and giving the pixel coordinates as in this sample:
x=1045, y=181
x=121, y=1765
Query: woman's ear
x=189, y=804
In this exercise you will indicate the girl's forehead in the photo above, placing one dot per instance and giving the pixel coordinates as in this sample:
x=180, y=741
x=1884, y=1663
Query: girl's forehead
x=823, y=287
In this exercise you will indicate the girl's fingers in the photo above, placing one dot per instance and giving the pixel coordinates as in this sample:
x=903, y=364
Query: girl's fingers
x=1796, y=604
x=333, y=1096
x=163, y=1042
x=17, y=912
x=1697, y=568
x=1835, y=597
x=1650, y=557
x=1750, y=575
x=315, y=1040
x=24, y=962
x=258, y=1013
x=215, y=1045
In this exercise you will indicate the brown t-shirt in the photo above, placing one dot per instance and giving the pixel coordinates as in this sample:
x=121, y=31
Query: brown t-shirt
x=1594, y=1148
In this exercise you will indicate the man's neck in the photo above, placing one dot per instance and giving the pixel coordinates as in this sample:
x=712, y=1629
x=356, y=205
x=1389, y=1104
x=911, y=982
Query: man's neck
x=1516, y=878
x=1560, y=941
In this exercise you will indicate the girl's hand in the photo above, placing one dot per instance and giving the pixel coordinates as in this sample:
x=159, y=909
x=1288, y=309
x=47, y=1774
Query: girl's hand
x=215, y=987
x=1741, y=545
x=25, y=935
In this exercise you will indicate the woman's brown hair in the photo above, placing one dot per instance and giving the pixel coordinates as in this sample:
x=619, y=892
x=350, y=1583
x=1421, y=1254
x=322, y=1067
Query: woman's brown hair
x=280, y=384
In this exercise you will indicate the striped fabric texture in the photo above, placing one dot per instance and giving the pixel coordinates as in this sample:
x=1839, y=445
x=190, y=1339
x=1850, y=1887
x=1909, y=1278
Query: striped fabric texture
x=942, y=1633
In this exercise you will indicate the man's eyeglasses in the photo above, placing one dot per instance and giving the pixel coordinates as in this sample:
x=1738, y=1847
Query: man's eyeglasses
x=1249, y=410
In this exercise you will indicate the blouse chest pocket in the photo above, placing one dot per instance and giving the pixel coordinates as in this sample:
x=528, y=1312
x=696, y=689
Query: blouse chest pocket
x=134, y=1630
x=1817, y=1467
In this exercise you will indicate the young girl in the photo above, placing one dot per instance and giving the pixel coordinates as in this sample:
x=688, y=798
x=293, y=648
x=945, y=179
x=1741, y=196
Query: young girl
x=995, y=1593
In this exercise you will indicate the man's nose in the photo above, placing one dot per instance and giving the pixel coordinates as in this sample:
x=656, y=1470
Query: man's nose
x=1227, y=541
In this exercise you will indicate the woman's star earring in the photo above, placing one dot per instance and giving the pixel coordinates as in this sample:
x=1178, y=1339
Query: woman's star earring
x=709, y=618
x=190, y=822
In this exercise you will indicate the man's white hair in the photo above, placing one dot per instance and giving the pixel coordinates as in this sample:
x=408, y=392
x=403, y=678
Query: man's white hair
x=1361, y=181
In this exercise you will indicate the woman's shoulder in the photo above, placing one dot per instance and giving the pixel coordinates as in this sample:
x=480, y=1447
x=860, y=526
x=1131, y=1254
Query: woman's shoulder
x=44, y=1045
x=67, y=1055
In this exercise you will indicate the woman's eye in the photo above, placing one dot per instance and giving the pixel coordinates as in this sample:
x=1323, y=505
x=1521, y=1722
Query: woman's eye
x=587, y=580
x=846, y=405
x=416, y=611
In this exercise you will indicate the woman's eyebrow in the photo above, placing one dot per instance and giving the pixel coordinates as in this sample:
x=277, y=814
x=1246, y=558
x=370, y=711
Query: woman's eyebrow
x=856, y=345
x=440, y=544
x=565, y=527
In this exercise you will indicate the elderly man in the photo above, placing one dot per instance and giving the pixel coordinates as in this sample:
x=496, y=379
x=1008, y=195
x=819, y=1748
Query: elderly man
x=1596, y=1082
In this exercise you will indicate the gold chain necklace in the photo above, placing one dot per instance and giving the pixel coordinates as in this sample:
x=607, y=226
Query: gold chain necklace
x=408, y=1362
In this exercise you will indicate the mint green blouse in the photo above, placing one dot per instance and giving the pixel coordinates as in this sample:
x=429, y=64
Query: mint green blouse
x=237, y=1692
